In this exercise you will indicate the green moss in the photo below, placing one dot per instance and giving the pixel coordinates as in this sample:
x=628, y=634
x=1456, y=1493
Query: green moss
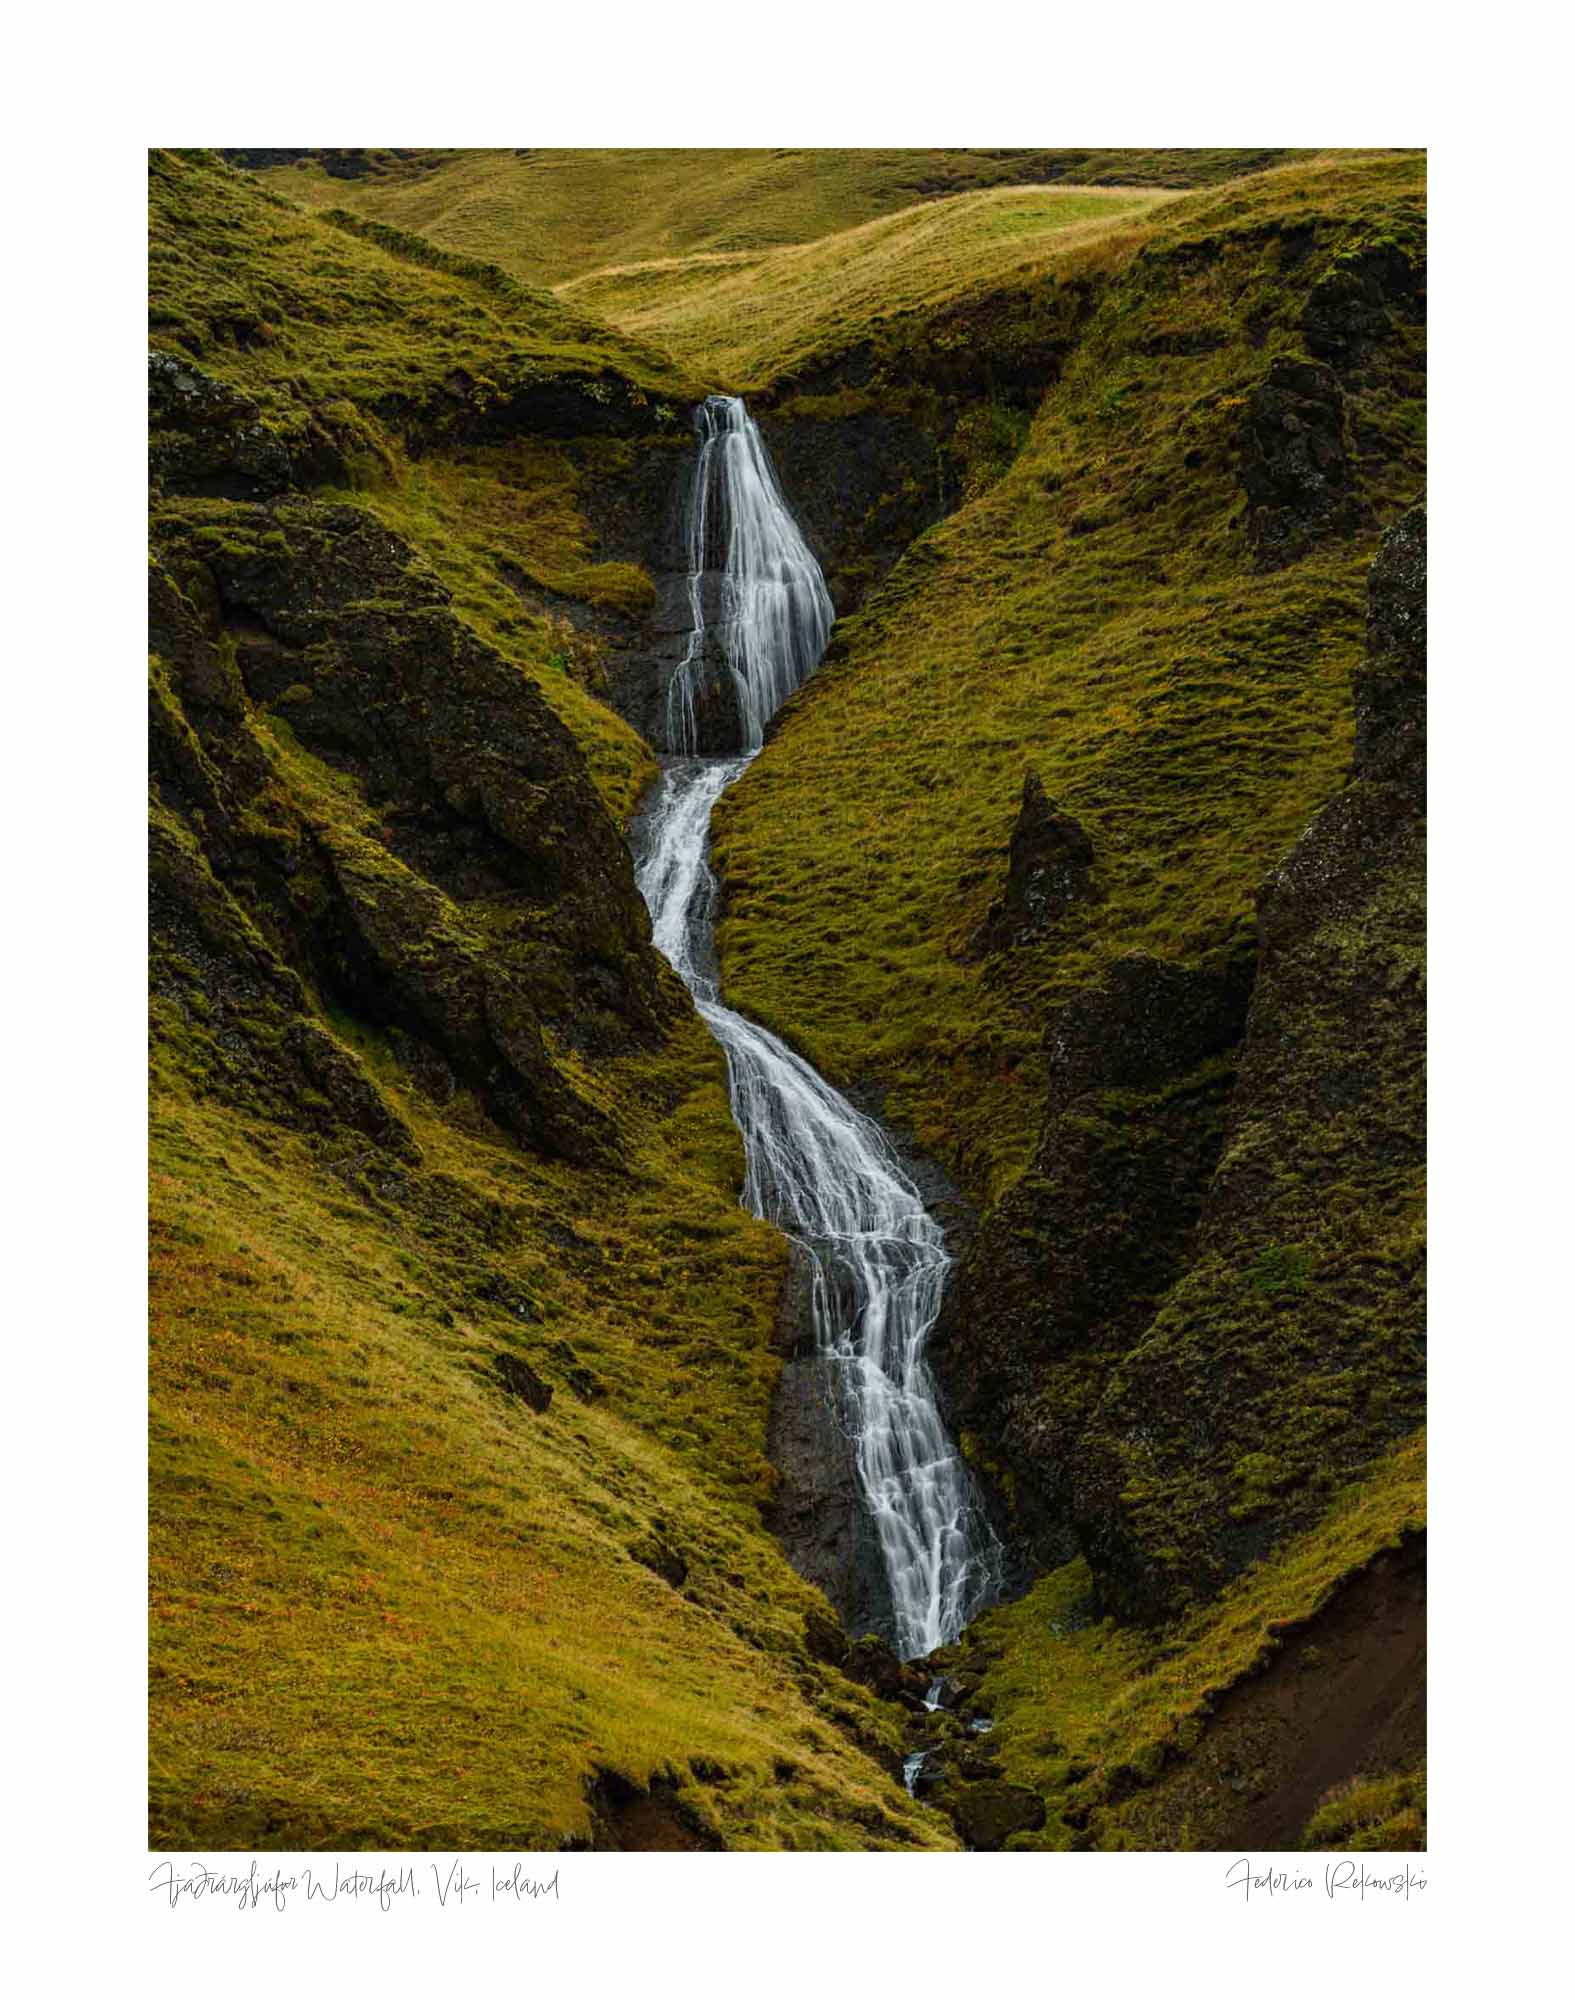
x=1385, y=1815
x=1093, y=615
x=1090, y=1714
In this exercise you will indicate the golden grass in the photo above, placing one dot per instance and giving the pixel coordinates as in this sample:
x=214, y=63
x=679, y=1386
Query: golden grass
x=747, y=320
x=547, y=215
x=1075, y=1699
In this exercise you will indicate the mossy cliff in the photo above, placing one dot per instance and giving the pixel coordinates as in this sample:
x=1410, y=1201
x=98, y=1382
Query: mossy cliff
x=1092, y=856
x=1199, y=1312
x=1064, y=853
x=461, y=1353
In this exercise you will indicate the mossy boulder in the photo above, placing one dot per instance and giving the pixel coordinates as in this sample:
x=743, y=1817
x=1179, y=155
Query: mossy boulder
x=987, y=1812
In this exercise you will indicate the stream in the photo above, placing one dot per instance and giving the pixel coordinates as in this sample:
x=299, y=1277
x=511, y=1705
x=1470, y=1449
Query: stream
x=816, y=1167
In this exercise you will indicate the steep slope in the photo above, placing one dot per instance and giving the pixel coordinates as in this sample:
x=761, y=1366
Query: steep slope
x=1030, y=861
x=1121, y=614
x=1077, y=857
x=461, y=1345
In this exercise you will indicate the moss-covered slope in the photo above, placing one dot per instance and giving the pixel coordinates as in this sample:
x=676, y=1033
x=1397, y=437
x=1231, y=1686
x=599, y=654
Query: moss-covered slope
x=462, y=1358
x=1111, y=615
x=461, y=1345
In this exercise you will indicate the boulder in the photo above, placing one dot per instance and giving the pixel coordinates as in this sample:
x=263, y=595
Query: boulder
x=521, y=1380
x=989, y=1812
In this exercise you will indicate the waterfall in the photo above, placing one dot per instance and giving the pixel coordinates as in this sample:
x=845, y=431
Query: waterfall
x=815, y=1166
x=775, y=609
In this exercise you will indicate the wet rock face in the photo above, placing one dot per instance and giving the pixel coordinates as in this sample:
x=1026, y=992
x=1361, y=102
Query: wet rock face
x=458, y=883
x=818, y=1512
x=1049, y=868
x=1294, y=463
x=863, y=486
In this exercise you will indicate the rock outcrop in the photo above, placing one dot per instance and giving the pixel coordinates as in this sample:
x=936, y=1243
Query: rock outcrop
x=1292, y=1353
x=1200, y=1311
x=1355, y=307
x=356, y=799
x=1050, y=866
x=1295, y=463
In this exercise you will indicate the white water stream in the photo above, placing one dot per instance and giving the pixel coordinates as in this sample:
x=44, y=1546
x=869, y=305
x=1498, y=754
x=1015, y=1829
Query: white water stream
x=818, y=1168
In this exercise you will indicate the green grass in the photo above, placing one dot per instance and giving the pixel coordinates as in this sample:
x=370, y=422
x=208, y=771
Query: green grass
x=1093, y=1715
x=751, y=320
x=294, y=309
x=1094, y=615
x=1385, y=1815
x=547, y=215
x=390, y=1606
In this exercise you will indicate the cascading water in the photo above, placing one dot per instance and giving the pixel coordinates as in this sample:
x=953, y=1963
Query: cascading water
x=818, y=1168
x=775, y=610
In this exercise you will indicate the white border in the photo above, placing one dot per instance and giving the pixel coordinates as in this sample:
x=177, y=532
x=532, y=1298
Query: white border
x=99, y=91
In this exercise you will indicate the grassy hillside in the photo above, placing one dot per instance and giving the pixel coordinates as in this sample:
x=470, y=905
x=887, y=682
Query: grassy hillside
x=417, y=384
x=299, y=306
x=433, y=1131
x=1097, y=616
x=426, y=1109
x=752, y=318
x=547, y=215
x=391, y=1606
x=1106, y=1723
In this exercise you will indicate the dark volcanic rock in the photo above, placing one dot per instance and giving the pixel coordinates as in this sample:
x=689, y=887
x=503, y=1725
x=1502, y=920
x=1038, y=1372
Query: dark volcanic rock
x=1292, y=1353
x=873, y=1664
x=521, y=1380
x=1356, y=305
x=1201, y=1308
x=989, y=1812
x=452, y=876
x=1391, y=685
x=1294, y=462
x=1049, y=868
x=207, y=438
x=1145, y=1023
x=817, y=1511
x=1066, y=1271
